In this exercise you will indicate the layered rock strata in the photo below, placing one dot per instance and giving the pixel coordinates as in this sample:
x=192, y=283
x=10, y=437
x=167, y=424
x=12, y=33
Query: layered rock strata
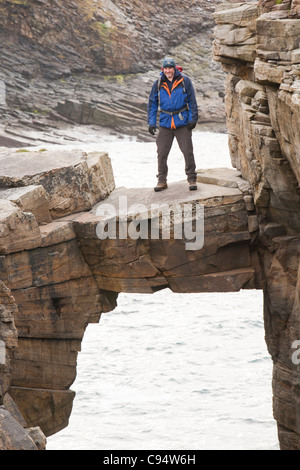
x=13, y=434
x=258, y=46
x=58, y=273
x=221, y=258
x=94, y=62
x=48, y=293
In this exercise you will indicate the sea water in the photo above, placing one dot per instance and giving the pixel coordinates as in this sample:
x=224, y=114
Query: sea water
x=171, y=371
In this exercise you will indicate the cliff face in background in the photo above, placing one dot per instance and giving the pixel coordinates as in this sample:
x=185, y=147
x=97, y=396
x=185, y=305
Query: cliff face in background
x=259, y=46
x=54, y=38
x=56, y=274
x=94, y=62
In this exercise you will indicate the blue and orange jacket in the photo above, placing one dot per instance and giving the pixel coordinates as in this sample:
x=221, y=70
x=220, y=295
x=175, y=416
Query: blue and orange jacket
x=173, y=100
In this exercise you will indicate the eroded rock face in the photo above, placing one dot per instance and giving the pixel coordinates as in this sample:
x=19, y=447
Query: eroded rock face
x=14, y=435
x=59, y=38
x=261, y=56
x=48, y=294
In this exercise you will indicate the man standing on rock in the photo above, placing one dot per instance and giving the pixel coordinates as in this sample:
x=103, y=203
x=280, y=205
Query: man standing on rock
x=173, y=96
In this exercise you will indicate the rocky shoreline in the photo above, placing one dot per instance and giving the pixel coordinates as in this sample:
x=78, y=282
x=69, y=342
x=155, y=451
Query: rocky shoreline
x=52, y=74
x=114, y=104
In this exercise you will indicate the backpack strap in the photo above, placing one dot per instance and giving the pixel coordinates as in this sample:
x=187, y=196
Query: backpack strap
x=158, y=91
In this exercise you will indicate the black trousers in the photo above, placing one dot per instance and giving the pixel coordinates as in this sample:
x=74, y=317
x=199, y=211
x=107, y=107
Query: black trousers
x=164, y=143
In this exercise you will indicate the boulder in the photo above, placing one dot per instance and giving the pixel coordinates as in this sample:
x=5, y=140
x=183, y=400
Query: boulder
x=74, y=181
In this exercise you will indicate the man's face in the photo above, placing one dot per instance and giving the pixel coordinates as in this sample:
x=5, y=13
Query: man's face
x=169, y=73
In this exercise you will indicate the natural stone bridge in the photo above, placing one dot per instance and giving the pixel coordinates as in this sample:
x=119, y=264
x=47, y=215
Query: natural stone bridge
x=58, y=276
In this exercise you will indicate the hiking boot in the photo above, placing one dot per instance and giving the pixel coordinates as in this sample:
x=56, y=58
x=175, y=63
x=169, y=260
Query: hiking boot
x=161, y=185
x=193, y=185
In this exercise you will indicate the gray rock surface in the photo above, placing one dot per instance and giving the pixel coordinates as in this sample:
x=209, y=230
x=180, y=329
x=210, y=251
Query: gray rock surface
x=95, y=62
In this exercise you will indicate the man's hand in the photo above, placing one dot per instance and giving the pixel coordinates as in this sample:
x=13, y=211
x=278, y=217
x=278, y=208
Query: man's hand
x=191, y=126
x=152, y=130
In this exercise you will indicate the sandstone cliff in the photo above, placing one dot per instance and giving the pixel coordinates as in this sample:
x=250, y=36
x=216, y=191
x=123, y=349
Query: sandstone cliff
x=48, y=294
x=57, y=275
x=258, y=45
